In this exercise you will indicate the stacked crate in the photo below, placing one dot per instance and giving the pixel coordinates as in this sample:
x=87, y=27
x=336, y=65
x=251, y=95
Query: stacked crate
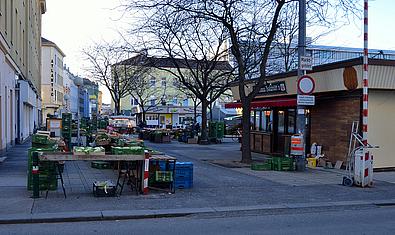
x=283, y=164
x=93, y=126
x=216, y=130
x=66, y=129
x=184, y=175
x=47, y=171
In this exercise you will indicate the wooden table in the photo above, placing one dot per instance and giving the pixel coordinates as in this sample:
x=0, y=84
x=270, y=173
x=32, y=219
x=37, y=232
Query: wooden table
x=139, y=184
x=59, y=157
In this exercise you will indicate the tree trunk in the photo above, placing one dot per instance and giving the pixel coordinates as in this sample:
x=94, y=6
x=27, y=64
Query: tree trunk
x=211, y=111
x=245, y=139
x=194, y=111
x=204, y=136
x=143, y=117
x=117, y=106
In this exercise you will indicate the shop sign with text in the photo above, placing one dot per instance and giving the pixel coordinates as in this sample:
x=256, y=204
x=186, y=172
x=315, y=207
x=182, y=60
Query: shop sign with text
x=272, y=88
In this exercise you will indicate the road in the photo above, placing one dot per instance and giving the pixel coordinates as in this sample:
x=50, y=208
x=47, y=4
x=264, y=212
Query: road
x=361, y=220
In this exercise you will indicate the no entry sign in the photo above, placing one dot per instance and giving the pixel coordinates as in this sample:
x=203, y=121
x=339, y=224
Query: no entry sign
x=306, y=85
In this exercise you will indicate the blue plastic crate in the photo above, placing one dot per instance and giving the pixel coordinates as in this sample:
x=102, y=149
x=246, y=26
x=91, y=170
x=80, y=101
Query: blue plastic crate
x=184, y=185
x=184, y=165
x=184, y=172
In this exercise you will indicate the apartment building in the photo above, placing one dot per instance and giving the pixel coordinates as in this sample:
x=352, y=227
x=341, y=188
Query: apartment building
x=20, y=69
x=51, y=79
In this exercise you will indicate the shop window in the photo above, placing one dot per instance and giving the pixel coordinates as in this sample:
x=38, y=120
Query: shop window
x=256, y=119
x=291, y=121
x=281, y=122
x=162, y=119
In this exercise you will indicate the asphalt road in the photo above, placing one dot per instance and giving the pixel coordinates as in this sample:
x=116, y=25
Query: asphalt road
x=364, y=220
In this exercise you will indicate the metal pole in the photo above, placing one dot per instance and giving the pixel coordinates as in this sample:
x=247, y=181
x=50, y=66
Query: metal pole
x=78, y=118
x=35, y=175
x=300, y=111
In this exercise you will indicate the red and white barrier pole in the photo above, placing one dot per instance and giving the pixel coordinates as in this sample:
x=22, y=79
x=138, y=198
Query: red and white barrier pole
x=367, y=163
x=146, y=172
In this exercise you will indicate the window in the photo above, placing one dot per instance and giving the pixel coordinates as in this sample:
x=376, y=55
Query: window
x=163, y=82
x=133, y=101
x=153, y=81
x=152, y=102
x=281, y=122
x=185, y=102
x=291, y=121
x=175, y=101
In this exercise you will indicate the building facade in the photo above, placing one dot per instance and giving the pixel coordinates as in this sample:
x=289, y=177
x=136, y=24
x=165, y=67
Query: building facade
x=338, y=102
x=51, y=79
x=71, y=90
x=166, y=105
x=20, y=70
x=92, y=94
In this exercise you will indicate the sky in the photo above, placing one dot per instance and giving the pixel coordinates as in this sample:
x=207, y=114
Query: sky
x=76, y=24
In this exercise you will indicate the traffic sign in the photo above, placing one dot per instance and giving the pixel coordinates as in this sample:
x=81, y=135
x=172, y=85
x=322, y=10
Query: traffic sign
x=306, y=85
x=306, y=63
x=306, y=100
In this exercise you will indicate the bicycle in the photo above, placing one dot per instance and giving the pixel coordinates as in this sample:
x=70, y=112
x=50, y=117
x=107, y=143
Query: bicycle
x=236, y=137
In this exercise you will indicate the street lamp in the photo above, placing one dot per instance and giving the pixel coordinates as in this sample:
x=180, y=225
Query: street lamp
x=66, y=98
x=78, y=82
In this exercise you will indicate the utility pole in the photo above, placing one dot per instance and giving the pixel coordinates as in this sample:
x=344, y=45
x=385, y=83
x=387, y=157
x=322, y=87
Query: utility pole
x=300, y=110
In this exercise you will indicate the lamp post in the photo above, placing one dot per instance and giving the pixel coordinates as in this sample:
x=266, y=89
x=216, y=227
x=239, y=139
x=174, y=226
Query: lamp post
x=66, y=98
x=78, y=82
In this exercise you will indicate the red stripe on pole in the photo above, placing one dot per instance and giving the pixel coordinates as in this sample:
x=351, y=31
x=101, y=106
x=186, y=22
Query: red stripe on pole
x=365, y=112
x=365, y=142
x=365, y=51
x=365, y=84
x=365, y=21
x=366, y=5
x=364, y=128
x=365, y=68
x=365, y=36
x=366, y=172
x=367, y=156
x=365, y=98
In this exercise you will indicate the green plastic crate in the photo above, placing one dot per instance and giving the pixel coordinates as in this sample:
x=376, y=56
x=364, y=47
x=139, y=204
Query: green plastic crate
x=163, y=176
x=266, y=166
x=127, y=150
x=282, y=164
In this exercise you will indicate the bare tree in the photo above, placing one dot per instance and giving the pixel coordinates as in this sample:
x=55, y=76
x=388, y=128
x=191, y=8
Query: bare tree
x=251, y=26
x=143, y=89
x=195, y=48
x=105, y=67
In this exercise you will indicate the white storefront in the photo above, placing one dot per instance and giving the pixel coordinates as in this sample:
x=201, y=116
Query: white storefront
x=28, y=117
x=7, y=102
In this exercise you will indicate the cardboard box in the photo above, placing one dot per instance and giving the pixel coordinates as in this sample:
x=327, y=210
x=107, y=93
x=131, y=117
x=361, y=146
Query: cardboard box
x=192, y=140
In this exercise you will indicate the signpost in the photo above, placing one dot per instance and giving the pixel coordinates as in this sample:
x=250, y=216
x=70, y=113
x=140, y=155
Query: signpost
x=306, y=63
x=306, y=100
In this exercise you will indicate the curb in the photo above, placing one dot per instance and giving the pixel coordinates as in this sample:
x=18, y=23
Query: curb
x=167, y=213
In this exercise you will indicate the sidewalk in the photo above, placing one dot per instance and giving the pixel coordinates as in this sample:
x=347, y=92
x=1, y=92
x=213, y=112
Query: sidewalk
x=215, y=188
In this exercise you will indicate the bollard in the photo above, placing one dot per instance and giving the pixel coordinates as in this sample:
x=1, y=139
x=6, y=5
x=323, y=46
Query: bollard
x=146, y=172
x=36, y=175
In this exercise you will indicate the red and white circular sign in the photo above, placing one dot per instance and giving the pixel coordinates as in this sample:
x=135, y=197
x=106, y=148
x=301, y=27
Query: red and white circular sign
x=306, y=85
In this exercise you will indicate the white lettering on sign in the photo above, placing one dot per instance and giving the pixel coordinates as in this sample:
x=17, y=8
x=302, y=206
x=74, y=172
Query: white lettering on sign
x=306, y=100
x=306, y=63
